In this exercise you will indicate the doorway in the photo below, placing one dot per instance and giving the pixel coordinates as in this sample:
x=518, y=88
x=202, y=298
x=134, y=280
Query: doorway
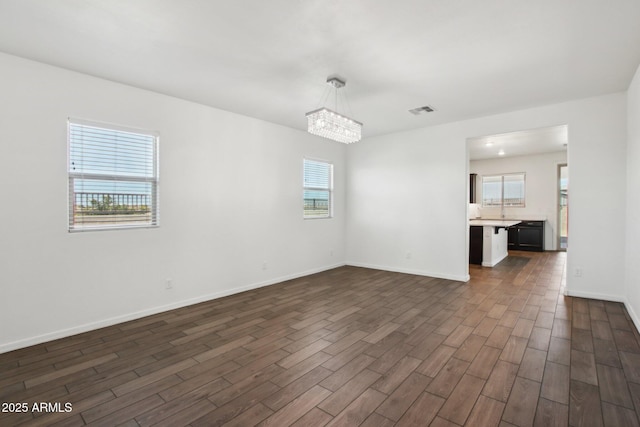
x=563, y=207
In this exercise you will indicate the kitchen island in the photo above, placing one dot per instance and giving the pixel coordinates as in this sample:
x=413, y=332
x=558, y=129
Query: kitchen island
x=488, y=241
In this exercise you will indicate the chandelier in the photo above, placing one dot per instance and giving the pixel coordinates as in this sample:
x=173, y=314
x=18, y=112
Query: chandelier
x=332, y=125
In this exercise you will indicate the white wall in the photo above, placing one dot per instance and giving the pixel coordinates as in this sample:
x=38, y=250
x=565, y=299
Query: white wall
x=408, y=192
x=632, y=226
x=406, y=203
x=541, y=188
x=230, y=199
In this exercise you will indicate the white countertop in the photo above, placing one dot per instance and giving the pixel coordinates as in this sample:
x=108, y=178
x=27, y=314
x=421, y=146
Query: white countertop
x=493, y=222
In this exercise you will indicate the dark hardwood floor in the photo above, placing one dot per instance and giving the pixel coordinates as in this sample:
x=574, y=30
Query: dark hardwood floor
x=348, y=347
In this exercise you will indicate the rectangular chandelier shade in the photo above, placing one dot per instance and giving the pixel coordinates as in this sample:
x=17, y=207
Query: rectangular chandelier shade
x=329, y=124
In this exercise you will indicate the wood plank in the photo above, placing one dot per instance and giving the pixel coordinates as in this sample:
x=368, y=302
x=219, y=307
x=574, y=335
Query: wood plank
x=584, y=405
x=448, y=377
x=539, y=338
x=296, y=388
x=185, y=415
x=434, y=363
x=358, y=410
x=340, y=377
x=514, y=349
x=523, y=328
x=111, y=406
x=470, y=348
x=210, y=354
x=236, y=405
x=631, y=366
x=610, y=379
x=314, y=418
x=500, y=381
x=484, y=362
x=559, y=351
x=505, y=349
x=300, y=369
x=499, y=337
x=32, y=382
x=462, y=399
x=555, y=384
x=522, y=403
x=303, y=354
x=396, y=375
x=532, y=366
x=583, y=367
x=618, y=416
x=551, y=414
x=422, y=412
x=487, y=412
x=385, y=362
x=140, y=382
x=296, y=408
x=339, y=360
x=349, y=391
x=403, y=397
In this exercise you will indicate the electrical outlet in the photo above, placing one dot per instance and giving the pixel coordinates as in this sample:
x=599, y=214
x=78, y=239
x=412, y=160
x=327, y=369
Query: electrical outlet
x=330, y=252
x=264, y=265
x=408, y=255
x=578, y=272
x=169, y=284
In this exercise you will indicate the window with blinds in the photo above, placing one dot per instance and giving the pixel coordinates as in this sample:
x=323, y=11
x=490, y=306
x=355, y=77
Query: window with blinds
x=317, y=189
x=503, y=190
x=113, y=177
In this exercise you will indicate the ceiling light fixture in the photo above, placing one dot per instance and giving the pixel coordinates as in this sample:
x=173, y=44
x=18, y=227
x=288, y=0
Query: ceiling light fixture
x=488, y=144
x=501, y=152
x=329, y=124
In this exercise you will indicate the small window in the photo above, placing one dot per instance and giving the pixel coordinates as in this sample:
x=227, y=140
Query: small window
x=503, y=190
x=318, y=186
x=113, y=177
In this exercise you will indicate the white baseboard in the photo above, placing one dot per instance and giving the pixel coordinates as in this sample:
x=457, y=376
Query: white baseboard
x=632, y=314
x=595, y=295
x=50, y=336
x=438, y=275
x=494, y=262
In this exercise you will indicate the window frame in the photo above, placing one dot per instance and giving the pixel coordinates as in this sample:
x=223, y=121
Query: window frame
x=329, y=189
x=502, y=191
x=154, y=180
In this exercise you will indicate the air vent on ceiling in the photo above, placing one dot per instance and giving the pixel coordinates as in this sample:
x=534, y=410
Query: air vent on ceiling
x=422, y=110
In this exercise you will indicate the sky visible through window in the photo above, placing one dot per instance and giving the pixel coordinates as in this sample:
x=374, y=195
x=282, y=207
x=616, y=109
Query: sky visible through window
x=317, y=189
x=492, y=190
x=112, y=178
x=97, y=153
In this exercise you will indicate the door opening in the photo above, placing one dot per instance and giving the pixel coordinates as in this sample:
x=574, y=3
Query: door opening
x=563, y=207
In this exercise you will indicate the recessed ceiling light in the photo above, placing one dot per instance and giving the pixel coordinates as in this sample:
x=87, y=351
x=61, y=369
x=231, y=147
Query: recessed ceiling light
x=501, y=152
x=488, y=144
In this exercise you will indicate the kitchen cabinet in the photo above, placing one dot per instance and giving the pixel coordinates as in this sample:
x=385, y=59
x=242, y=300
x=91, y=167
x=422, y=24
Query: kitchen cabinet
x=472, y=187
x=527, y=236
x=475, y=245
x=488, y=241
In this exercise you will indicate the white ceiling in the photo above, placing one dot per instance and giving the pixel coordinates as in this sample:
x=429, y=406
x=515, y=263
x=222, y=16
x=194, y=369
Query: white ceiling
x=270, y=59
x=521, y=143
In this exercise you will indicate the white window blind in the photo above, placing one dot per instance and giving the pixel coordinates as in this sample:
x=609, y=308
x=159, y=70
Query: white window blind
x=317, y=191
x=113, y=179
